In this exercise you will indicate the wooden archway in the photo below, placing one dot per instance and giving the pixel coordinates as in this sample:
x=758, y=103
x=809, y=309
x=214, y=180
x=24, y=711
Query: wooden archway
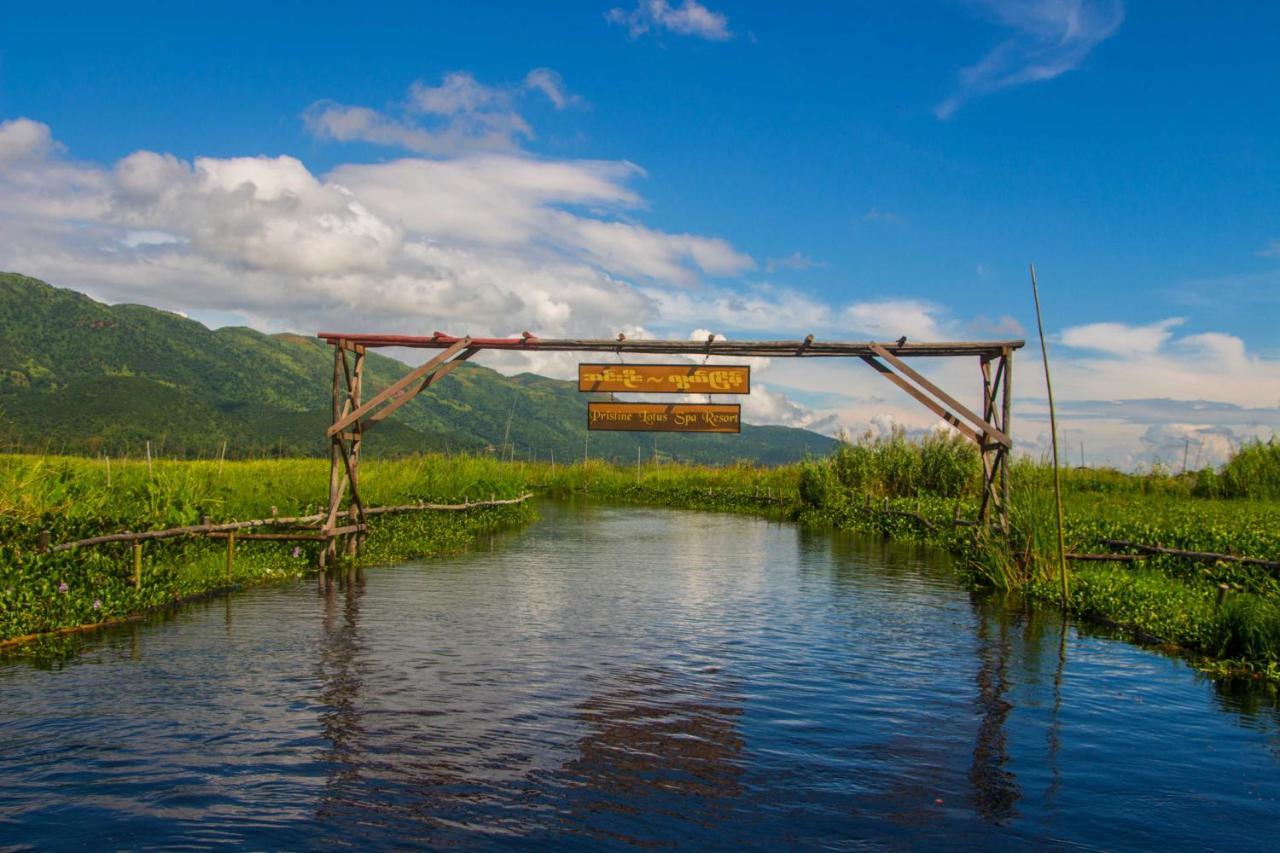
x=353, y=417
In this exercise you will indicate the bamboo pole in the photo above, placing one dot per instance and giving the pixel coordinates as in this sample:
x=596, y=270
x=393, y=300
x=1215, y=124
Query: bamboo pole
x=1053, y=435
x=137, y=565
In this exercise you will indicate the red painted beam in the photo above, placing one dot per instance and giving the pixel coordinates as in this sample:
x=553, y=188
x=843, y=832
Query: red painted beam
x=437, y=339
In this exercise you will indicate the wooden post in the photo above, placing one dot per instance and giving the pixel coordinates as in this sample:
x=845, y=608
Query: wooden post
x=43, y=545
x=231, y=554
x=137, y=565
x=1006, y=409
x=335, y=457
x=1053, y=436
x=356, y=389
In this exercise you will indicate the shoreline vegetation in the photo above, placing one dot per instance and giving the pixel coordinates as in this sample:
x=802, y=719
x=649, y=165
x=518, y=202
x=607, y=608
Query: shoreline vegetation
x=1226, y=614
x=70, y=498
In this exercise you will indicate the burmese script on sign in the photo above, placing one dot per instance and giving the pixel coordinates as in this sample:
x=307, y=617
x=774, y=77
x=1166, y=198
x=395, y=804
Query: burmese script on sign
x=666, y=378
x=664, y=417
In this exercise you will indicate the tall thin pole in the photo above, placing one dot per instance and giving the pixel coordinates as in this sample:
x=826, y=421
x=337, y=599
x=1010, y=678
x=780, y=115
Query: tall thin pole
x=1053, y=434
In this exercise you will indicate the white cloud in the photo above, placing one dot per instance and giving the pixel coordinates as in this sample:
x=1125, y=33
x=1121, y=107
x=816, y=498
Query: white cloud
x=890, y=319
x=1183, y=446
x=1049, y=38
x=24, y=139
x=1121, y=338
x=551, y=85
x=690, y=18
x=482, y=242
x=458, y=115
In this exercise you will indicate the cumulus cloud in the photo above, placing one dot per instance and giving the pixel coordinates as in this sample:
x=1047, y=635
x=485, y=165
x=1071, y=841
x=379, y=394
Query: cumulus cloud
x=482, y=240
x=690, y=18
x=1121, y=338
x=1047, y=39
x=1182, y=446
x=24, y=139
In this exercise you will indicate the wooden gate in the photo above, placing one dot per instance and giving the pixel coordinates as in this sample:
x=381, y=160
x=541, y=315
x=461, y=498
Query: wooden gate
x=353, y=417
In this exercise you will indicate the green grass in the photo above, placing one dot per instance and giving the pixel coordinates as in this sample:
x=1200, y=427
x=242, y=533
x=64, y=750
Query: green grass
x=70, y=499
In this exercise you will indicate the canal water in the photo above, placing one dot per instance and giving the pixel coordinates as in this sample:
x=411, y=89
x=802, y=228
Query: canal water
x=614, y=677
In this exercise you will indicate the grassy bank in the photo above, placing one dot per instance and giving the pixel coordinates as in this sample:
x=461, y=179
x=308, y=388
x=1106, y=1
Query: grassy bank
x=891, y=487
x=73, y=498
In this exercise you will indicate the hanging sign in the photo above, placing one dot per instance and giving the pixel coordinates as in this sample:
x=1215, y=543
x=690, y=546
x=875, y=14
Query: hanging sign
x=666, y=378
x=664, y=417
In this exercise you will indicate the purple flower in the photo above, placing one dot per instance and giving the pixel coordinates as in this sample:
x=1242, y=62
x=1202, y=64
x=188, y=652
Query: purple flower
x=62, y=587
x=97, y=604
x=297, y=551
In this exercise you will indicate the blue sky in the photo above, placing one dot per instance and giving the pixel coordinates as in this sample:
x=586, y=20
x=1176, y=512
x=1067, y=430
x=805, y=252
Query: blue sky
x=856, y=170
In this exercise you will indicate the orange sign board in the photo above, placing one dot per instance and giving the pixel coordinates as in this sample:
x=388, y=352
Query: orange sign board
x=664, y=417
x=666, y=378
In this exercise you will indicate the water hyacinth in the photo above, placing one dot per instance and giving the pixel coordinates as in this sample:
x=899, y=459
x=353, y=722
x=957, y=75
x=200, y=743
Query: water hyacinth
x=63, y=588
x=297, y=551
x=97, y=604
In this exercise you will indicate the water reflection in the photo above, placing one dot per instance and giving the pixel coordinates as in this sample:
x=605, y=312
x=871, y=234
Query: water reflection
x=995, y=788
x=339, y=672
x=658, y=749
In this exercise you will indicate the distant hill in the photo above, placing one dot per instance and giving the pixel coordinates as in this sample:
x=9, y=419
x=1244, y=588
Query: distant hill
x=78, y=376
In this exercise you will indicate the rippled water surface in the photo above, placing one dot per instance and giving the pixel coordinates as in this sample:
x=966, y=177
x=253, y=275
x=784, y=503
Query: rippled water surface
x=628, y=676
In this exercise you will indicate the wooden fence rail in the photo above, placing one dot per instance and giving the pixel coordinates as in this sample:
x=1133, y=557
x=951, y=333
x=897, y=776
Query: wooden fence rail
x=301, y=520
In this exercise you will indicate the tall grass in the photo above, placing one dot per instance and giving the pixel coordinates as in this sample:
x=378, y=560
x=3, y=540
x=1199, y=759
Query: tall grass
x=74, y=498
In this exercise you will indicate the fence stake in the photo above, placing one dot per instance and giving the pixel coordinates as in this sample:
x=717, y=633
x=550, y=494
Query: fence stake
x=137, y=565
x=231, y=553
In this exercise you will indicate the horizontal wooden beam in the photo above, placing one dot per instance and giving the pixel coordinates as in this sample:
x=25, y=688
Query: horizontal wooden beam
x=801, y=349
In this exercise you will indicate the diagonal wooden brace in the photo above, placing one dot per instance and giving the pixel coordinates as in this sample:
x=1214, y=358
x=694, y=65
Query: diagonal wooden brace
x=929, y=403
x=372, y=421
x=398, y=388
x=968, y=414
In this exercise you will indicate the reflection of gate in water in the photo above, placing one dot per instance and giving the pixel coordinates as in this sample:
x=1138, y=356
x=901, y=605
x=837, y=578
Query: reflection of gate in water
x=659, y=738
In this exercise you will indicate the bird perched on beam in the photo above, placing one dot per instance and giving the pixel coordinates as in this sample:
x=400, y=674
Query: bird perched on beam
x=902, y=340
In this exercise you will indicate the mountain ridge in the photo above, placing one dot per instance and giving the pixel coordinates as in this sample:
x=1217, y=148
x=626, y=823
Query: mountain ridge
x=81, y=376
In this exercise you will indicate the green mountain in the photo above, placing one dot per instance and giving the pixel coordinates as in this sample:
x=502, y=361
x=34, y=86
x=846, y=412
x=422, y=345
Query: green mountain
x=79, y=376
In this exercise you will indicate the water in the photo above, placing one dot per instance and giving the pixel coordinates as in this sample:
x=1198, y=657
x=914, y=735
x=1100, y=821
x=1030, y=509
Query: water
x=614, y=677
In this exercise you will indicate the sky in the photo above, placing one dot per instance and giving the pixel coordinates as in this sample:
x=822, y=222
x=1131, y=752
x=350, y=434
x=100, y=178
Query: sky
x=670, y=168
